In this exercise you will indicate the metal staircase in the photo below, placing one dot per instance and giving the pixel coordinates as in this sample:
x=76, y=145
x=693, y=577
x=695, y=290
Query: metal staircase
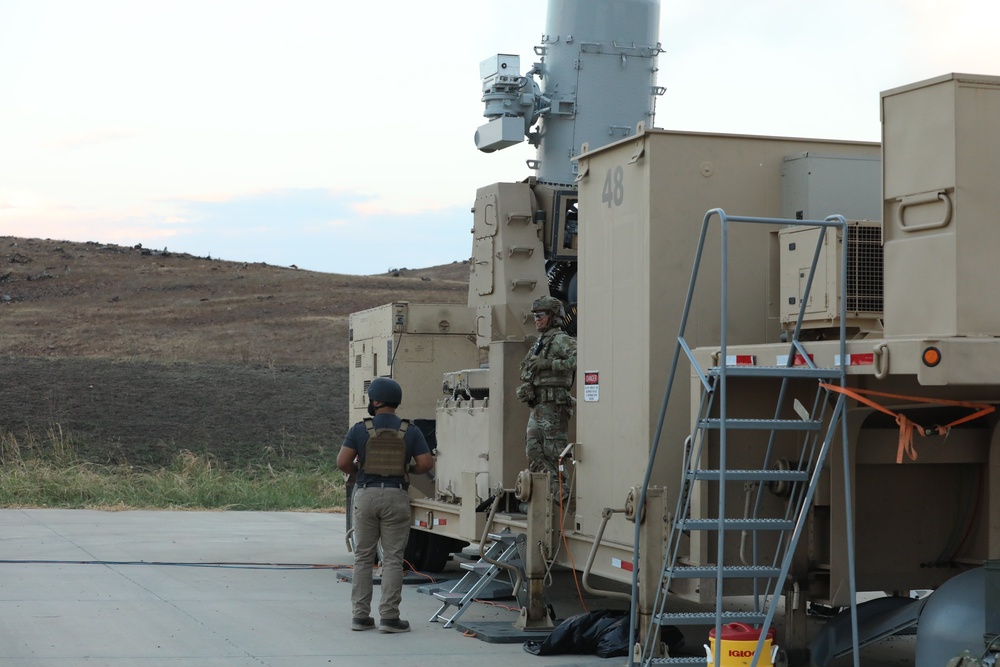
x=779, y=446
x=504, y=548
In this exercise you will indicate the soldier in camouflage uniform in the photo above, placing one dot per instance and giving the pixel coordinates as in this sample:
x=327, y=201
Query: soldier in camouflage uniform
x=547, y=374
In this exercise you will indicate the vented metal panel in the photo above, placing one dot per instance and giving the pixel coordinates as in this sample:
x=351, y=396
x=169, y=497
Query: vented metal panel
x=864, y=268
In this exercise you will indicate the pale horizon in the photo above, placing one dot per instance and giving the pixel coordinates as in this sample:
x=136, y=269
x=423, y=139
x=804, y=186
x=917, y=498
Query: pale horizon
x=326, y=136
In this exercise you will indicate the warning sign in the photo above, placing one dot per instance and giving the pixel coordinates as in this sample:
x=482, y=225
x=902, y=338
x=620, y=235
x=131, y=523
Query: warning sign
x=591, y=386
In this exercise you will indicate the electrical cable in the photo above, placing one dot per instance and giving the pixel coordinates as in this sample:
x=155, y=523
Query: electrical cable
x=217, y=564
x=395, y=350
x=973, y=515
x=562, y=531
x=551, y=562
x=418, y=572
x=496, y=604
x=962, y=526
x=989, y=647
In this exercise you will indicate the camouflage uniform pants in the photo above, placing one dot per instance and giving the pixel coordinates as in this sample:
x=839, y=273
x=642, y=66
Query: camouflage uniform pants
x=548, y=428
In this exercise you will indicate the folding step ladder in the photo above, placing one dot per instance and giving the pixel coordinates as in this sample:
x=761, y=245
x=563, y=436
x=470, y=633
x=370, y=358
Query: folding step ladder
x=504, y=548
x=803, y=419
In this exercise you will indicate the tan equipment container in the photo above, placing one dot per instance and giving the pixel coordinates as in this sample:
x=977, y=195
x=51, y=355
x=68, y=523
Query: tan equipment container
x=941, y=155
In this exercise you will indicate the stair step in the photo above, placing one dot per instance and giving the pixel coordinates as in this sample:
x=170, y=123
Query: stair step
x=799, y=422
x=505, y=538
x=449, y=597
x=751, y=475
x=479, y=567
x=728, y=572
x=736, y=524
x=763, y=424
x=708, y=618
x=685, y=660
x=777, y=371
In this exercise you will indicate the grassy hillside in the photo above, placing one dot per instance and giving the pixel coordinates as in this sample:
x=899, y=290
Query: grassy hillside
x=128, y=355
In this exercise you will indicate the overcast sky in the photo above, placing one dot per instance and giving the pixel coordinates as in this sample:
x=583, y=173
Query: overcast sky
x=338, y=136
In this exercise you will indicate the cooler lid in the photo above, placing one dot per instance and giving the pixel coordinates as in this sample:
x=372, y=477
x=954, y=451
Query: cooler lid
x=740, y=632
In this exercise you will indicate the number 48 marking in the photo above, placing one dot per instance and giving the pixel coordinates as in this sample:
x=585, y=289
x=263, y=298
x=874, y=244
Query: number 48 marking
x=614, y=190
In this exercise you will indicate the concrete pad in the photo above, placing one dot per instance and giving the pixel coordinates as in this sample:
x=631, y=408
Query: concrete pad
x=212, y=589
x=242, y=589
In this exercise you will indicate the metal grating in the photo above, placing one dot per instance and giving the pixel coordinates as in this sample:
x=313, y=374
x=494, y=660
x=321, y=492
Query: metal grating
x=864, y=268
x=357, y=361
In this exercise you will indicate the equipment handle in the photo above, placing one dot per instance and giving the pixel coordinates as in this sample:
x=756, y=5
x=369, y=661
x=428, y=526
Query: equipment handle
x=924, y=198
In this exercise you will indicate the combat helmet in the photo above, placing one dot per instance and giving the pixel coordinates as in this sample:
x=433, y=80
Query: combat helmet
x=385, y=390
x=549, y=304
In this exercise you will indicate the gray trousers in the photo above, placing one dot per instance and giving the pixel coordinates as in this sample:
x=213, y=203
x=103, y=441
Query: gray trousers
x=380, y=515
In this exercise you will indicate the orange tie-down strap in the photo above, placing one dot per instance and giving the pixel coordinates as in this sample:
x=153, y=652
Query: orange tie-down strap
x=907, y=427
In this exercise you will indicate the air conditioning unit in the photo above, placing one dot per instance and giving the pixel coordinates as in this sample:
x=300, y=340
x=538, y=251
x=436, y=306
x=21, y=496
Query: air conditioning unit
x=863, y=299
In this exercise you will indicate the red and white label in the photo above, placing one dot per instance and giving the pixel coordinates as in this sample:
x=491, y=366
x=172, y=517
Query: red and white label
x=440, y=522
x=799, y=360
x=864, y=359
x=591, y=386
x=622, y=564
x=741, y=360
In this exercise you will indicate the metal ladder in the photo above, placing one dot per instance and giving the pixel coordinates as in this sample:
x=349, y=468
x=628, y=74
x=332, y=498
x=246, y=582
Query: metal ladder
x=504, y=548
x=771, y=529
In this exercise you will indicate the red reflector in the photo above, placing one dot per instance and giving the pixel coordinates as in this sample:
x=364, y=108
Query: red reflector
x=622, y=564
x=741, y=360
x=799, y=360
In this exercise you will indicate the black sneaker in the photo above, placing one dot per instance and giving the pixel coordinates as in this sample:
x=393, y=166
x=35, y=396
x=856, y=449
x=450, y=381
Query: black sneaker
x=359, y=624
x=393, y=625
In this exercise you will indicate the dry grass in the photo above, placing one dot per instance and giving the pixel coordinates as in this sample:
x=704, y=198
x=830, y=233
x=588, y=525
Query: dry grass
x=92, y=300
x=132, y=358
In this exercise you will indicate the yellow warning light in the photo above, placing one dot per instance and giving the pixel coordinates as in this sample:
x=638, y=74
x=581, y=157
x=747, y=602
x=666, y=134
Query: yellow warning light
x=931, y=357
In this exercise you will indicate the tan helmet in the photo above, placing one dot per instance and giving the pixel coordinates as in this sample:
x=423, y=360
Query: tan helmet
x=549, y=304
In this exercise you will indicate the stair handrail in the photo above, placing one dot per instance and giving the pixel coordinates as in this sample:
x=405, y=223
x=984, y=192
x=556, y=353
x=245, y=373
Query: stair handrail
x=834, y=221
x=796, y=348
x=518, y=578
x=605, y=517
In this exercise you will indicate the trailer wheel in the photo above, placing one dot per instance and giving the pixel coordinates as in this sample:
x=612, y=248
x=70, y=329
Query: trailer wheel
x=438, y=552
x=427, y=552
x=413, y=555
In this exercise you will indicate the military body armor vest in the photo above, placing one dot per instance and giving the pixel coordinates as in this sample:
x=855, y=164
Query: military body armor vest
x=547, y=377
x=385, y=453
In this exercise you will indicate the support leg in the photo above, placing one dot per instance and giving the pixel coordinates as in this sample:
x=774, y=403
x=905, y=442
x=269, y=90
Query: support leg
x=534, y=615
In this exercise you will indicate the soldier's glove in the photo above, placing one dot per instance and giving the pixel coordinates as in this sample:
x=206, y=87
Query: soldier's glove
x=525, y=392
x=539, y=364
